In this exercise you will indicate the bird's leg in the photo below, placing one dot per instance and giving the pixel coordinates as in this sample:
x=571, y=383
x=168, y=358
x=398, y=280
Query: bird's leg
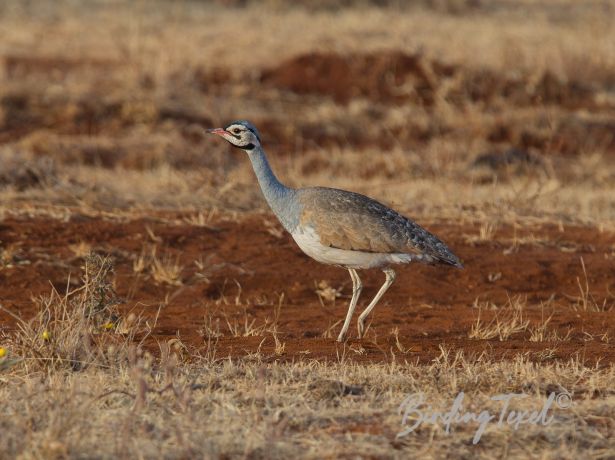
x=356, y=292
x=390, y=277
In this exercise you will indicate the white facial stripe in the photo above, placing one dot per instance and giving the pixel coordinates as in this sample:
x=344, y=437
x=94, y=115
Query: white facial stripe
x=245, y=138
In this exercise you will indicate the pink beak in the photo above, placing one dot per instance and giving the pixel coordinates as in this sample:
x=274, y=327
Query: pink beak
x=218, y=131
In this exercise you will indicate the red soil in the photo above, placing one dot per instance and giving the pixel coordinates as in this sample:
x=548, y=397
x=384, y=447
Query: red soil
x=396, y=77
x=250, y=261
x=386, y=78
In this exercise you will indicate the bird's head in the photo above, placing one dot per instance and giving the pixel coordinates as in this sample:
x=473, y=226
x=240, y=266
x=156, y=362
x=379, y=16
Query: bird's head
x=241, y=134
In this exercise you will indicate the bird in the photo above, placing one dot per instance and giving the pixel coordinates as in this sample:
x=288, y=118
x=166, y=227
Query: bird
x=339, y=227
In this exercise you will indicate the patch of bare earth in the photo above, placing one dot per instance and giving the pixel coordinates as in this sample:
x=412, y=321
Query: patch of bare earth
x=242, y=285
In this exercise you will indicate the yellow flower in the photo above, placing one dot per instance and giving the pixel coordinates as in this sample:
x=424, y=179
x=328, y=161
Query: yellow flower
x=46, y=335
x=2, y=352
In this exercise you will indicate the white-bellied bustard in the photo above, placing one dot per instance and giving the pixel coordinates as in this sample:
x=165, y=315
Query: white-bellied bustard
x=338, y=227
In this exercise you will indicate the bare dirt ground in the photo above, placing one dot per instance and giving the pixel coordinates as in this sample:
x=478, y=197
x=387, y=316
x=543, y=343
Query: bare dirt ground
x=239, y=276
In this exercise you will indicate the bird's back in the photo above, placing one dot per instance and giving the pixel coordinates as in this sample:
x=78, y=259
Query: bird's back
x=355, y=222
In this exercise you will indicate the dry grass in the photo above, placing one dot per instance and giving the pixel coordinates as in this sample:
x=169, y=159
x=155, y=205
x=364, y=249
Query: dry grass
x=77, y=329
x=541, y=332
x=586, y=301
x=506, y=322
x=162, y=269
x=161, y=88
x=150, y=408
x=70, y=384
x=104, y=118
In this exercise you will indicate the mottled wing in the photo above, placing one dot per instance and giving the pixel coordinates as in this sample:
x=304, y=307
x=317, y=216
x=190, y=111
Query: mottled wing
x=352, y=221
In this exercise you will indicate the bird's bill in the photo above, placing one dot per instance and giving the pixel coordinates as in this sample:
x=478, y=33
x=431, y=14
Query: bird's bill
x=218, y=131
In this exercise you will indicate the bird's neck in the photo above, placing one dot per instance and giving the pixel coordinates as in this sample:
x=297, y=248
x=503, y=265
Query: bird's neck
x=279, y=197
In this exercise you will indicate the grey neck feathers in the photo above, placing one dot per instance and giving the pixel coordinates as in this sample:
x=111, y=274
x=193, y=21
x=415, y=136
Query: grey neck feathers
x=280, y=198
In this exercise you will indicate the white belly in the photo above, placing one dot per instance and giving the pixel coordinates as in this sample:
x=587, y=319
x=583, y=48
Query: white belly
x=310, y=244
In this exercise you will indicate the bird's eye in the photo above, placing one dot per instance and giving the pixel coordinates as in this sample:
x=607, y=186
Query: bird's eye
x=236, y=130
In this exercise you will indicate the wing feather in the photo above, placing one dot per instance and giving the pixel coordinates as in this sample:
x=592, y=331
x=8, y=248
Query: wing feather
x=351, y=221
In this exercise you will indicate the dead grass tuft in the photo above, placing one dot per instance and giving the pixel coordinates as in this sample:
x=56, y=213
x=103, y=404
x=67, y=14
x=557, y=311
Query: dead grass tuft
x=585, y=301
x=165, y=269
x=505, y=323
x=76, y=329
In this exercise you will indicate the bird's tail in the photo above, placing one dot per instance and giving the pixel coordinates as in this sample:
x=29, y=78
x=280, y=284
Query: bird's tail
x=451, y=260
x=445, y=256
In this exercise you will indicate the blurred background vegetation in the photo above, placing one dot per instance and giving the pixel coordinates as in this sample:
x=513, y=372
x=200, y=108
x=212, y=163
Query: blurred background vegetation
x=448, y=105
